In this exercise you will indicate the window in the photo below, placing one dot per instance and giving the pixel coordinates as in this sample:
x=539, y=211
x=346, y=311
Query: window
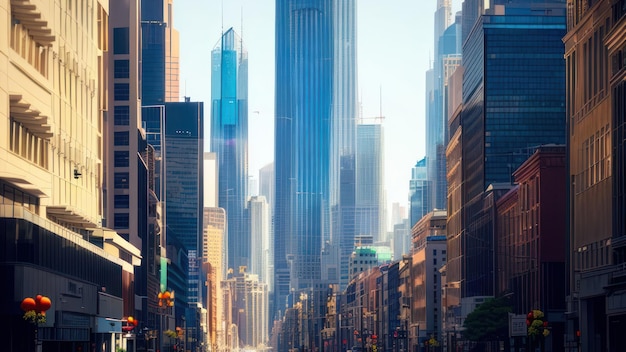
x=121, y=159
x=121, y=115
x=121, y=69
x=121, y=91
x=121, y=201
x=121, y=180
x=120, y=138
x=121, y=220
x=120, y=41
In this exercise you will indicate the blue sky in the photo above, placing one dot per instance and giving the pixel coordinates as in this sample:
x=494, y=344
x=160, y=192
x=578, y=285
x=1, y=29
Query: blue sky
x=395, y=47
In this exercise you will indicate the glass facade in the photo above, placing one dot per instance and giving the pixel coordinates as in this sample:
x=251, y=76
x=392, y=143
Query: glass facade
x=513, y=102
x=370, y=182
x=304, y=60
x=343, y=175
x=182, y=152
x=229, y=141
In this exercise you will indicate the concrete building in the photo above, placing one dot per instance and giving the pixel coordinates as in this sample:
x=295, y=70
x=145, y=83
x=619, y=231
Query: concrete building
x=428, y=255
x=596, y=95
x=53, y=89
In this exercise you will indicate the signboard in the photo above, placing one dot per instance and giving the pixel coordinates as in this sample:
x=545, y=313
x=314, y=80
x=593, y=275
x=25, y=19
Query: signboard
x=517, y=325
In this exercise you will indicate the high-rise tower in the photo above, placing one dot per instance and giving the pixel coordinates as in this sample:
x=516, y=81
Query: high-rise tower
x=304, y=73
x=229, y=140
x=513, y=102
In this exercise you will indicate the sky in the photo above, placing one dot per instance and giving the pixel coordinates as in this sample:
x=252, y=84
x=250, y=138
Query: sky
x=395, y=49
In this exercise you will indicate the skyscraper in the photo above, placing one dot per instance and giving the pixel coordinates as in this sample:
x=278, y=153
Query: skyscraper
x=343, y=176
x=229, y=141
x=304, y=82
x=159, y=53
x=419, y=193
x=182, y=152
x=513, y=102
x=446, y=45
x=370, y=181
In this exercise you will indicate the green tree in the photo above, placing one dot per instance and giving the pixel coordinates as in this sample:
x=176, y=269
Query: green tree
x=489, y=321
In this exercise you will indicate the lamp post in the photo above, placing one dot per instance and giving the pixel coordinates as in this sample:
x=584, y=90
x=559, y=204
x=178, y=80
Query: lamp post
x=35, y=313
x=166, y=301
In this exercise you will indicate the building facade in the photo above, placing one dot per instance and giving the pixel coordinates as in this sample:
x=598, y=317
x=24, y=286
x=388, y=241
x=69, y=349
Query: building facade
x=229, y=141
x=304, y=83
x=594, y=48
x=503, y=123
x=53, y=85
x=370, y=197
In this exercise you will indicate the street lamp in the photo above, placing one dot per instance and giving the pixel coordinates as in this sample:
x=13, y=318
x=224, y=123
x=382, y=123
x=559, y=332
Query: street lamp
x=165, y=301
x=35, y=313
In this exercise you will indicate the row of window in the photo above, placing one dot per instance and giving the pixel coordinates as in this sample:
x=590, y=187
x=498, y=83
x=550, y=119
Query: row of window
x=25, y=144
x=595, y=160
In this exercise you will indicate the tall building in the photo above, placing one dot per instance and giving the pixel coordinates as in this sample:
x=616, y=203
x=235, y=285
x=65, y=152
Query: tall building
x=370, y=181
x=53, y=85
x=596, y=121
x=182, y=152
x=447, y=45
x=419, y=192
x=213, y=254
x=428, y=253
x=229, y=140
x=304, y=83
x=258, y=215
x=513, y=102
x=129, y=199
x=343, y=135
x=159, y=53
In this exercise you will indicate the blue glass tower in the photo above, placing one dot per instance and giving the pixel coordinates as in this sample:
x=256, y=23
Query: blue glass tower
x=343, y=175
x=304, y=82
x=229, y=140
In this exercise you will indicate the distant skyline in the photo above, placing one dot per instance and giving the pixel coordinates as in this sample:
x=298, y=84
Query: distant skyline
x=395, y=48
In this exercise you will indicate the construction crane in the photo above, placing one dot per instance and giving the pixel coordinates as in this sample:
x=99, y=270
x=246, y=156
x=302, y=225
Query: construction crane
x=380, y=116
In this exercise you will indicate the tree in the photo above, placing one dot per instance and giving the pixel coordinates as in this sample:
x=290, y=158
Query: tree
x=489, y=321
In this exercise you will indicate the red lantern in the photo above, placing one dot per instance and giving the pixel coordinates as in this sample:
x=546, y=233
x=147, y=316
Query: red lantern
x=28, y=304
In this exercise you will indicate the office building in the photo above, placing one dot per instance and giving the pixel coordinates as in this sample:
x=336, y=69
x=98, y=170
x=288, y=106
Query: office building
x=513, y=102
x=304, y=83
x=182, y=153
x=419, y=192
x=370, y=200
x=51, y=197
x=159, y=53
x=258, y=215
x=596, y=96
x=229, y=141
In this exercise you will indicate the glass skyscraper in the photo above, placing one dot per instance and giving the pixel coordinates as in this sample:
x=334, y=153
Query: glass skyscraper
x=370, y=181
x=513, y=102
x=229, y=141
x=304, y=82
x=182, y=152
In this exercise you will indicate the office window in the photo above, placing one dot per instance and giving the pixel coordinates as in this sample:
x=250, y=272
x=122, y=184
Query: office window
x=121, y=158
x=121, y=69
x=120, y=40
x=121, y=201
x=121, y=220
x=121, y=91
x=121, y=115
x=120, y=138
x=121, y=180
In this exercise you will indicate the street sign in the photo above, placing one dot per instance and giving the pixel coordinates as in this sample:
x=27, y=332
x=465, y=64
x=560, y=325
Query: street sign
x=517, y=325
